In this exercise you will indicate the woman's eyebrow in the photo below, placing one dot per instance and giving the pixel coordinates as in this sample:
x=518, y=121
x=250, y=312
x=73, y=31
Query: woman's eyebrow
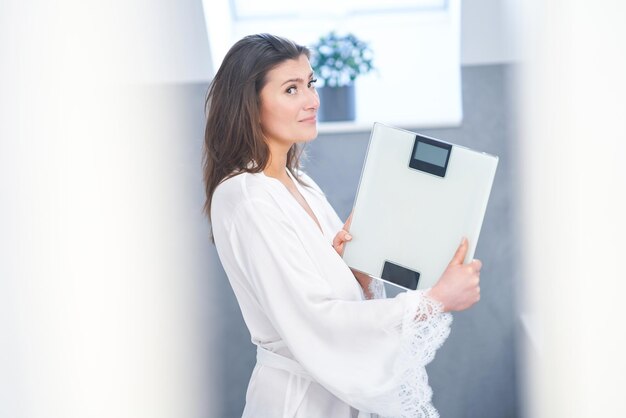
x=297, y=80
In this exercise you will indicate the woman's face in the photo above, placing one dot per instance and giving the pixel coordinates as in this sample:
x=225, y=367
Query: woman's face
x=289, y=103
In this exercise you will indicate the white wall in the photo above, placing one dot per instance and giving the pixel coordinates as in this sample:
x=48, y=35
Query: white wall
x=572, y=153
x=165, y=41
x=98, y=289
x=489, y=31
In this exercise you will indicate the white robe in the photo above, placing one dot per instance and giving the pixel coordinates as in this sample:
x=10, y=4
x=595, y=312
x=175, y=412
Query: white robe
x=322, y=350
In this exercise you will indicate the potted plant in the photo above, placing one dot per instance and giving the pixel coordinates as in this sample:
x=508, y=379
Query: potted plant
x=337, y=61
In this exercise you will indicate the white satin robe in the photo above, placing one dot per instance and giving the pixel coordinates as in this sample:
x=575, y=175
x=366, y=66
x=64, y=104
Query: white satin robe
x=322, y=350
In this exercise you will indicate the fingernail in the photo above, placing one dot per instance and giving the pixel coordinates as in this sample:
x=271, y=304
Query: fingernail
x=348, y=237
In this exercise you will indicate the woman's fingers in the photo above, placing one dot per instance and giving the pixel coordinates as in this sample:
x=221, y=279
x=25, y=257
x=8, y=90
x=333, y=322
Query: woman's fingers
x=459, y=286
x=343, y=236
x=460, y=254
x=477, y=265
x=340, y=239
x=348, y=223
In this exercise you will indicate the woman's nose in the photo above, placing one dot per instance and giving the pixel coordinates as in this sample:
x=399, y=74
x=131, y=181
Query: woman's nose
x=313, y=100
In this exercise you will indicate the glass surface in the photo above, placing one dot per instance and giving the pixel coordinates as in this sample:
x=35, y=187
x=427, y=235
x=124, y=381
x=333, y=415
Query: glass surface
x=431, y=154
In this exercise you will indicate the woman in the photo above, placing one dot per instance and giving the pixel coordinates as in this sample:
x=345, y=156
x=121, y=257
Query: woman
x=323, y=350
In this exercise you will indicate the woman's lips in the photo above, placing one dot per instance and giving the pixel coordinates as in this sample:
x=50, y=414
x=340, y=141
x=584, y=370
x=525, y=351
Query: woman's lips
x=310, y=119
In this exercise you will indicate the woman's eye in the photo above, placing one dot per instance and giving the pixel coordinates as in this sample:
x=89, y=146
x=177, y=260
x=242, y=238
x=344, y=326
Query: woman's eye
x=312, y=82
x=292, y=90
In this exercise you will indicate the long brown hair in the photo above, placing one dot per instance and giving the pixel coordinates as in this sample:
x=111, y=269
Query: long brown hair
x=233, y=137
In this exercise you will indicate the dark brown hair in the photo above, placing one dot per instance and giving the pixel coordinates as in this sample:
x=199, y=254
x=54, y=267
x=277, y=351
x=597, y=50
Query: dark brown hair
x=233, y=137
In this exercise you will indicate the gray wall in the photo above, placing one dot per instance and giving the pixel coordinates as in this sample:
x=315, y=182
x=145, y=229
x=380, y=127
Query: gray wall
x=474, y=373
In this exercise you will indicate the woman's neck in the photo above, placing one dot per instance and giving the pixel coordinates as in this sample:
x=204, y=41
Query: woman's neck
x=277, y=162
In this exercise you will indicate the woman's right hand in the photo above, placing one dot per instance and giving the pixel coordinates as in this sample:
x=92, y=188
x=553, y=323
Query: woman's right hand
x=458, y=287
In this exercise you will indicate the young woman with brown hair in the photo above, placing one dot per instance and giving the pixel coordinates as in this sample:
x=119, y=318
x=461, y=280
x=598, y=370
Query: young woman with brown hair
x=325, y=348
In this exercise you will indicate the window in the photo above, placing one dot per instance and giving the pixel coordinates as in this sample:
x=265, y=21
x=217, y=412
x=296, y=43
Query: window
x=416, y=47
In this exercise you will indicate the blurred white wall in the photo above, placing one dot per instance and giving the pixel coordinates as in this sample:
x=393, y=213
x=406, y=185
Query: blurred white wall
x=97, y=299
x=98, y=294
x=572, y=154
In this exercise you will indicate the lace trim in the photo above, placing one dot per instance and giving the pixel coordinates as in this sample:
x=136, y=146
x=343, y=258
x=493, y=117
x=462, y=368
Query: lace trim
x=377, y=289
x=423, y=330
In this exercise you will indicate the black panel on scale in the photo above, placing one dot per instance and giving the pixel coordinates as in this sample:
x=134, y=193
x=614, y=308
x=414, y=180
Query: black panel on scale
x=399, y=275
x=430, y=156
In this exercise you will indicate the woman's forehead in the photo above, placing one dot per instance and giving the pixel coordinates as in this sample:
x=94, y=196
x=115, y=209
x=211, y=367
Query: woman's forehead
x=291, y=69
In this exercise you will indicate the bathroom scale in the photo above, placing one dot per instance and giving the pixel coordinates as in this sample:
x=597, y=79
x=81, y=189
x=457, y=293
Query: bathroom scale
x=417, y=198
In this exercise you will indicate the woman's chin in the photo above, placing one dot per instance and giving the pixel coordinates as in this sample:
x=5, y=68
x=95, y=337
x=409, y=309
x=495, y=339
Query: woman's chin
x=308, y=137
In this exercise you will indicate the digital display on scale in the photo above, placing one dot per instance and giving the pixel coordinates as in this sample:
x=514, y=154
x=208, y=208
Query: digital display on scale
x=430, y=156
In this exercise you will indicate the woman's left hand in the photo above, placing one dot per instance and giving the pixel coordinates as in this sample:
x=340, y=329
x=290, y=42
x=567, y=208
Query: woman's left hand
x=342, y=237
x=339, y=243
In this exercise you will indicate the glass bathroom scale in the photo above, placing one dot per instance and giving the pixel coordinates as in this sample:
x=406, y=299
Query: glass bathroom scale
x=417, y=198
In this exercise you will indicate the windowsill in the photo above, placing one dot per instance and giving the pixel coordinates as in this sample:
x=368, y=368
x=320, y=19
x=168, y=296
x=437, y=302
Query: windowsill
x=340, y=127
x=359, y=126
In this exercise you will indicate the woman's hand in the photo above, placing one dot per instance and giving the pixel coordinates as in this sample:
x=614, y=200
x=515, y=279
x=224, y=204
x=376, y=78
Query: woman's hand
x=342, y=237
x=339, y=243
x=458, y=287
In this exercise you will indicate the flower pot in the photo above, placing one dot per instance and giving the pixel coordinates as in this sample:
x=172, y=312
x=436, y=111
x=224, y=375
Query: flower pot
x=336, y=104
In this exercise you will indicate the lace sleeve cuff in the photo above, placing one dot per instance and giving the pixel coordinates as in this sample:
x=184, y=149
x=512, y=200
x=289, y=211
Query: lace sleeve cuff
x=423, y=330
x=377, y=289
